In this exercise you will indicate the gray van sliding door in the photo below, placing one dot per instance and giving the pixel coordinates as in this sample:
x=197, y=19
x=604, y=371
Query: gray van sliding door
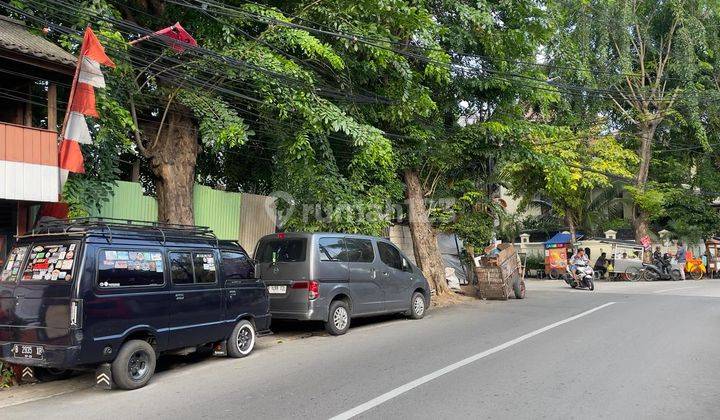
x=365, y=283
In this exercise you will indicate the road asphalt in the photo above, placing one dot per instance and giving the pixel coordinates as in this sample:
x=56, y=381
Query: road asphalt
x=626, y=350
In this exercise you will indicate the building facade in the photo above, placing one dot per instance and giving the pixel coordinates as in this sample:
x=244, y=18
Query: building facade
x=32, y=69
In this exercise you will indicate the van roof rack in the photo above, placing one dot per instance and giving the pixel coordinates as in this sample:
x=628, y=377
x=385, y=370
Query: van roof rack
x=82, y=225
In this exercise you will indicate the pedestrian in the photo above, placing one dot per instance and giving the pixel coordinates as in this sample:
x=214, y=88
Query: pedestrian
x=681, y=258
x=601, y=265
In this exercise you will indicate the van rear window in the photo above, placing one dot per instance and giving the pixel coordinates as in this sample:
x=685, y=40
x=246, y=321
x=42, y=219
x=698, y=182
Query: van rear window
x=282, y=250
x=50, y=262
x=11, y=270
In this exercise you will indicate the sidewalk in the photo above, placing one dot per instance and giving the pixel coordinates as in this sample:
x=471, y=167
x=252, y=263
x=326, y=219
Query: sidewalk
x=39, y=391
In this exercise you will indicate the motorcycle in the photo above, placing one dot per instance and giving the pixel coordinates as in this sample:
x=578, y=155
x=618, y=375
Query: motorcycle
x=584, y=275
x=661, y=269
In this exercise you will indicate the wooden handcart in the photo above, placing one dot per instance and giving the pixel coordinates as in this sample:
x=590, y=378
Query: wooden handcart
x=500, y=275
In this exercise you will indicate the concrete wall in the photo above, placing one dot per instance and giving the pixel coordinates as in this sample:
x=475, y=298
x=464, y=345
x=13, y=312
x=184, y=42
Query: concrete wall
x=597, y=247
x=512, y=205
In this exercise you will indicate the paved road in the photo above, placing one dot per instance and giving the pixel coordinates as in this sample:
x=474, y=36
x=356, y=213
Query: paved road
x=561, y=353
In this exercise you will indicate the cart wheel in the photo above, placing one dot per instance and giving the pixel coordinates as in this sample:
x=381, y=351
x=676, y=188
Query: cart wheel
x=519, y=289
x=696, y=275
x=554, y=274
x=633, y=273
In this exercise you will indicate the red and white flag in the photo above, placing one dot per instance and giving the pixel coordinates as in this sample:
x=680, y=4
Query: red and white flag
x=82, y=104
x=178, y=33
x=77, y=129
x=175, y=32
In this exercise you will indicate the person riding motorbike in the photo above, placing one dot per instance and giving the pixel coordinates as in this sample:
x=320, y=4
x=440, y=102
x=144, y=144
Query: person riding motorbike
x=662, y=261
x=657, y=255
x=578, y=259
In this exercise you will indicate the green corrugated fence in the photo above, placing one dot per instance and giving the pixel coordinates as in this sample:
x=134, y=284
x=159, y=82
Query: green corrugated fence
x=218, y=210
x=128, y=202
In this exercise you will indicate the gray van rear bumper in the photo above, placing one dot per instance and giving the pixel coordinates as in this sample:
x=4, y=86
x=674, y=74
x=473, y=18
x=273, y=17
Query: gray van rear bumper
x=317, y=311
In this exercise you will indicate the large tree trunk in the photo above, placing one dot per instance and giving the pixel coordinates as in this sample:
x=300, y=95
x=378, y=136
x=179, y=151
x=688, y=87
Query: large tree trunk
x=427, y=252
x=640, y=218
x=172, y=158
x=571, y=226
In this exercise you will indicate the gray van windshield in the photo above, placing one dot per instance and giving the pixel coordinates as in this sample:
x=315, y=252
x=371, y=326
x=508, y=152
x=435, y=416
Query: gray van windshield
x=282, y=250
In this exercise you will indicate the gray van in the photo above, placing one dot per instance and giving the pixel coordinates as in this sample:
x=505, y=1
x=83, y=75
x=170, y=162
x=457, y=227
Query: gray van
x=332, y=277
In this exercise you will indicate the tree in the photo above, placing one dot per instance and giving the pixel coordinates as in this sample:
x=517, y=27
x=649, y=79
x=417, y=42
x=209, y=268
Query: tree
x=641, y=62
x=566, y=168
x=181, y=102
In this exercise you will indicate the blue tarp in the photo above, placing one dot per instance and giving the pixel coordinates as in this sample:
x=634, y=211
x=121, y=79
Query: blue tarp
x=561, y=238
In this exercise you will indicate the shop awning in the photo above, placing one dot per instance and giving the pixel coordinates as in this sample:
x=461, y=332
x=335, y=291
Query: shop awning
x=562, y=238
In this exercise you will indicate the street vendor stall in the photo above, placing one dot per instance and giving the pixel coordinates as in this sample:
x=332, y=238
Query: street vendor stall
x=556, y=254
x=626, y=260
x=712, y=253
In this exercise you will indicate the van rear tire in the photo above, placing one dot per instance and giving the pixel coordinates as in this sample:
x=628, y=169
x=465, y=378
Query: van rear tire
x=338, y=322
x=242, y=339
x=134, y=365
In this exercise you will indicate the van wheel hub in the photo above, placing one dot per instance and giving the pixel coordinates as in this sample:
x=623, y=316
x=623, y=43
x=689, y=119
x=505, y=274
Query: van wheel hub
x=244, y=339
x=138, y=365
x=340, y=318
x=419, y=306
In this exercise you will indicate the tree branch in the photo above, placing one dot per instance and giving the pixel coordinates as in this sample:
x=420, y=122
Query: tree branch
x=162, y=120
x=136, y=128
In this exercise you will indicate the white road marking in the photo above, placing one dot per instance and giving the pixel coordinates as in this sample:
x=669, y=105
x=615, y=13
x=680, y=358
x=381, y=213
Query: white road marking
x=677, y=288
x=457, y=365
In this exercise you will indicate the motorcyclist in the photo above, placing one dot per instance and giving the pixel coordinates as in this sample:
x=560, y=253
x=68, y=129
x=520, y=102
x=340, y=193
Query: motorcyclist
x=660, y=260
x=657, y=255
x=578, y=259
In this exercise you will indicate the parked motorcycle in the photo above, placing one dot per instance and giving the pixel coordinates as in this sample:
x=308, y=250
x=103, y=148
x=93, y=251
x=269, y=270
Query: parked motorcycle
x=583, y=277
x=661, y=269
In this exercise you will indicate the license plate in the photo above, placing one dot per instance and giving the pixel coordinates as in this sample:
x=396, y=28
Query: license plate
x=24, y=351
x=277, y=289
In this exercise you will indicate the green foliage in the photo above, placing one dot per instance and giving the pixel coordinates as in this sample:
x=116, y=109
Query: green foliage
x=689, y=216
x=666, y=55
x=650, y=200
x=567, y=168
x=471, y=217
x=534, y=262
x=6, y=375
x=219, y=124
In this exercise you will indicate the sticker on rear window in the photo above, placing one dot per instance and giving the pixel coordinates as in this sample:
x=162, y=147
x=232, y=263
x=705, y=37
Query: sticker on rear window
x=12, y=266
x=50, y=263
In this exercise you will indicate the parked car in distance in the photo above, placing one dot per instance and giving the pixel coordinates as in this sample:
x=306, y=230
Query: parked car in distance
x=113, y=295
x=333, y=277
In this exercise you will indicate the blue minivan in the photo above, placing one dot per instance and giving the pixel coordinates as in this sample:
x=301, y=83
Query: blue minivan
x=114, y=295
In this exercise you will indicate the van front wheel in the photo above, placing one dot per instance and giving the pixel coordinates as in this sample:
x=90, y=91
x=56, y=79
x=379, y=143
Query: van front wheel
x=417, y=306
x=338, y=319
x=134, y=365
x=242, y=339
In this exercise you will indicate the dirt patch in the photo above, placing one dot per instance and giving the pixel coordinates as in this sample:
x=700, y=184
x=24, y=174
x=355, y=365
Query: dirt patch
x=450, y=299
